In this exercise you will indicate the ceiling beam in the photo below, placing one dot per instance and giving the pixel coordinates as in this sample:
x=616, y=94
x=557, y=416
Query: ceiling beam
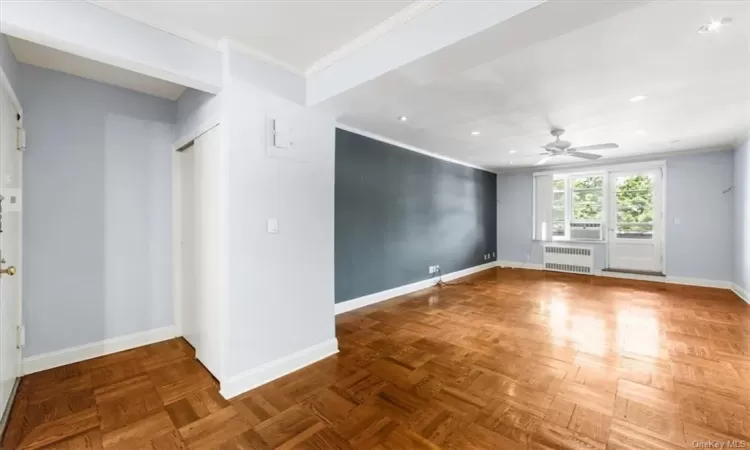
x=86, y=30
x=437, y=27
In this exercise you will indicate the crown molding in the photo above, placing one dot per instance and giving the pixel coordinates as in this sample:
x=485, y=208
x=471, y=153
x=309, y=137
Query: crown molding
x=400, y=18
x=163, y=25
x=264, y=57
x=412, y=148
x=625, y=159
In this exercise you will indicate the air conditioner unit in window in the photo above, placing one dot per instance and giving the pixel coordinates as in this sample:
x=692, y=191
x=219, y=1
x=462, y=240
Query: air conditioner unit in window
x=589, y=231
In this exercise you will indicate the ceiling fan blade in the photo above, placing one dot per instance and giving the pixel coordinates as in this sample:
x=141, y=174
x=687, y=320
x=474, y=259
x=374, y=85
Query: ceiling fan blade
x=594, y=147
x=543, y=160
x=584, y=155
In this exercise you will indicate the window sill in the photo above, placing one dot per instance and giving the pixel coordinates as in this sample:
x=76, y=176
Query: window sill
x=572, y=241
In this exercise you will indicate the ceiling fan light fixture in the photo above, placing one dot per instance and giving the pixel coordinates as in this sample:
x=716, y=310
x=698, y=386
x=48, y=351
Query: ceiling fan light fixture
x=565, y=148
x=512, y=152
x=475, y=133
x=714, y=26
x=402, y=118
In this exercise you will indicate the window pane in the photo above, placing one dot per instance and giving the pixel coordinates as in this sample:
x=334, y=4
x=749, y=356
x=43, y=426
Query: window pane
x=558, y=228
x=635, y=189
x=594, y=182
x=639, y=231
x=558, y=184
x=587, y=212
x=558, y=214
x=588, y=195
x=635, y=214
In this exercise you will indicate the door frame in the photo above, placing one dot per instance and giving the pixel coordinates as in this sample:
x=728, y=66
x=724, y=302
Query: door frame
x=611, y=205
x=180, y=144
x=8, y=88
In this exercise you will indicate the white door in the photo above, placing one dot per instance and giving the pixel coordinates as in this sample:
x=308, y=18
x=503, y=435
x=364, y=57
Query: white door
x=199, y=235
x=635, y=234
x=187, y=259
x=10, y=248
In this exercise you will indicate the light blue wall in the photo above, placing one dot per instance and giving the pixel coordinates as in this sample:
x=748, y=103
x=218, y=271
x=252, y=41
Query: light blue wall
x=701, y=246
x=742, y=216
x=8, y=63
x=97, y=234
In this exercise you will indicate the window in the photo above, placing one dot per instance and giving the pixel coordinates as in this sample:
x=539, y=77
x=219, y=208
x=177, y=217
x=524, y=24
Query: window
x=587, y=205
x=577, y=207
x=558, y=207
x=580, y=206
x=635, y=206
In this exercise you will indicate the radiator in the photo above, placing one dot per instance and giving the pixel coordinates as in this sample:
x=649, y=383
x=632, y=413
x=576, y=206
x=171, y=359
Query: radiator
x=569, y=259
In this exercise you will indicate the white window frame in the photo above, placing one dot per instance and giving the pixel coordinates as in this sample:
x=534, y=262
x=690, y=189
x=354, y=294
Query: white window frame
x=605, y=170
x=566, y=205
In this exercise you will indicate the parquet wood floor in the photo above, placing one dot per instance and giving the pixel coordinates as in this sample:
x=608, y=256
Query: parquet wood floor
x=519, y=359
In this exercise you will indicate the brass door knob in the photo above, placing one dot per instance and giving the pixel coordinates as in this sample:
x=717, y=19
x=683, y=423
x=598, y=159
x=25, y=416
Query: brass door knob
x=9, y=271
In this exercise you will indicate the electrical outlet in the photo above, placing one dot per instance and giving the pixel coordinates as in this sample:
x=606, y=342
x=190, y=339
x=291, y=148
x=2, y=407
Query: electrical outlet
x=493, y=254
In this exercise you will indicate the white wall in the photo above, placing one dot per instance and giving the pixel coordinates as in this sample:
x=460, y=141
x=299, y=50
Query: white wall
x=8, y=63
x=85, y=29
x=195, y=110
x=97, y=211
x=281, y=293
x=700, y=247
x=742, y=218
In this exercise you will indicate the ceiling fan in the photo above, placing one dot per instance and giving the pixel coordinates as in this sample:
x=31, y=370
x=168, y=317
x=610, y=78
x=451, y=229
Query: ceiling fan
x=559, y=147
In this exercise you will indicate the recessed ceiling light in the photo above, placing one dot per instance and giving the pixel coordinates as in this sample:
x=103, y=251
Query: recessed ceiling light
x=403, y=118
x=510, y=162
x=475, y=133
x=714, y=26
x=640, y=132
x=638, y=98
x=512, y=152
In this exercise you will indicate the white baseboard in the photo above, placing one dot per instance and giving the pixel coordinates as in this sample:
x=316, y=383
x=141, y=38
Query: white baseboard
x=741, y=293
x=668, y=279
x=359, y=302
x=466, y=272
x=72, y=355
x=631, y=276
x=253, y=378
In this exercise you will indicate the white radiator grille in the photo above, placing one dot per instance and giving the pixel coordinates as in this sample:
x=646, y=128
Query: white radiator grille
x=585, y=251
x=563, y=258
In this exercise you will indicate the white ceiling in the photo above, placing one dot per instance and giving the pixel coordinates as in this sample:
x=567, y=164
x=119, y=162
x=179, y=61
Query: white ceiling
x=49, y=58
x=298, y=35
x=575, y=66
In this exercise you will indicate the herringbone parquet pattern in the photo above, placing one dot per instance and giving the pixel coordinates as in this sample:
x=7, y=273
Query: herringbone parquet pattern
x=518, y=359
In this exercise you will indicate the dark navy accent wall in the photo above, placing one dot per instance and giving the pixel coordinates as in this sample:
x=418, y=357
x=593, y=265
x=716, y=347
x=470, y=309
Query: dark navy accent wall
x=399, y=212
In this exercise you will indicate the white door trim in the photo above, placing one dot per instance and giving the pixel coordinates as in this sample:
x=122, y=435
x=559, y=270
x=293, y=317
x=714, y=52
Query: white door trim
x=5, y=83
x=177, y=218
x=16, y=104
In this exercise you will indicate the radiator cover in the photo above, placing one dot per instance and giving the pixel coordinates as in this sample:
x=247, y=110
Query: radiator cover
x=569, y=258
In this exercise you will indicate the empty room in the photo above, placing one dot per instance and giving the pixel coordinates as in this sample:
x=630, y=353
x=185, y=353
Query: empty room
x=371, y=224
